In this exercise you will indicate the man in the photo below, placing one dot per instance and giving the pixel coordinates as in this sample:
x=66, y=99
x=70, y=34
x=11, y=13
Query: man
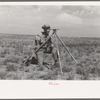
x=47, y=48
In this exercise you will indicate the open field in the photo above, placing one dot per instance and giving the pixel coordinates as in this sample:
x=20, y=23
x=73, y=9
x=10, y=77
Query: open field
x=14, y=49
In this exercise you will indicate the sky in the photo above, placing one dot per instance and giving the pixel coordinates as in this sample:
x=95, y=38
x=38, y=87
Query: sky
x=73, y=21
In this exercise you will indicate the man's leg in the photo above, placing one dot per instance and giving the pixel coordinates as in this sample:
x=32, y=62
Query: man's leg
x=55, y=57
x=40, y=58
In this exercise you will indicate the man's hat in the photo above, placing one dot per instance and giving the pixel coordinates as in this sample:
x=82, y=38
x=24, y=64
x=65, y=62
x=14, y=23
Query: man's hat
x=45, y=27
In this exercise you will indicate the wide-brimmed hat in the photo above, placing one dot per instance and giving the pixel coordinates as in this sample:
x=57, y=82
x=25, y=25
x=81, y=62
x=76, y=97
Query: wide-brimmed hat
x=45, y=27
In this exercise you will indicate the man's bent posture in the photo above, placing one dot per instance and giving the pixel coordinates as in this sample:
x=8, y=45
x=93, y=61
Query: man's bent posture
x=47, y=48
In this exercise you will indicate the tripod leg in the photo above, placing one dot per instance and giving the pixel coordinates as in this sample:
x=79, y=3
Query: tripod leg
x=66, y=48
x=58, y=54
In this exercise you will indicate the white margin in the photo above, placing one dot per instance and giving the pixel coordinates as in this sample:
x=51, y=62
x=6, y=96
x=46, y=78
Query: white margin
x=16, y=89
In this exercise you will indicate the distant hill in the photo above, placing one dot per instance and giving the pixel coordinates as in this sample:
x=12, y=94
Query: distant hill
x=16, y=36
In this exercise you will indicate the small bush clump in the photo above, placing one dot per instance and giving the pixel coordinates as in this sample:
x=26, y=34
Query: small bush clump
x=12, y=66
x=3, y=73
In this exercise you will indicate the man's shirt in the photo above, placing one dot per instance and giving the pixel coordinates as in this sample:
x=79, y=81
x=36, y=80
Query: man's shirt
x=40, y=39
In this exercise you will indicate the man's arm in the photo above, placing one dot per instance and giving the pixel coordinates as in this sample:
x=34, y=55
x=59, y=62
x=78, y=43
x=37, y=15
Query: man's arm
x=41, y=46
x=37, y=42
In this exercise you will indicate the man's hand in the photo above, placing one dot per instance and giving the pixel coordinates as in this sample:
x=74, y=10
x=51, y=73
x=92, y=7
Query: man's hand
x=54, y=30
x=36, y=47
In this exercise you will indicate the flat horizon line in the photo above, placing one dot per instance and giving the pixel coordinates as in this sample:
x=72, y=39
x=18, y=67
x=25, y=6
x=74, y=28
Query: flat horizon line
x=59, y=35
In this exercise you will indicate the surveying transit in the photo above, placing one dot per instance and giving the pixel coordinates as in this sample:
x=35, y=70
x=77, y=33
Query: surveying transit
x=43, y=44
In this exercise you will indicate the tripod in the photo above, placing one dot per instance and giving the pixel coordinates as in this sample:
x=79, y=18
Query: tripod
x=66, y=48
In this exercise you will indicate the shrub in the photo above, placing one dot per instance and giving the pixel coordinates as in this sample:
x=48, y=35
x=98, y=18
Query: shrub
x=12, y=76
x=77, y=77
x=11, y=58
x=48, y=76
x=79, y=70
x=98, y=69
x=70, y=76
x=2, y=61
x=42, y=74
x=67, y=68
x=12, y=66
x=67, y=76
x=29, y=76
x=92, y=69
x=3, y=51
x=3, y=73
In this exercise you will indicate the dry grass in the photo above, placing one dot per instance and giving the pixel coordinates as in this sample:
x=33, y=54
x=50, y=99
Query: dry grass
x=13, y=49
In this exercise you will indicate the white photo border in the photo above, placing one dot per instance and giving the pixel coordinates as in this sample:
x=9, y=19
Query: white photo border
x=35, y=89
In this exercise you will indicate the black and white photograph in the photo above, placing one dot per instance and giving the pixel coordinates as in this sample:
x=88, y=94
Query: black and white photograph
x=49, y=42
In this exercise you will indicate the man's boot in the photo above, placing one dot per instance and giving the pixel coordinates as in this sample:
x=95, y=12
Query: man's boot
x=56, y=64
